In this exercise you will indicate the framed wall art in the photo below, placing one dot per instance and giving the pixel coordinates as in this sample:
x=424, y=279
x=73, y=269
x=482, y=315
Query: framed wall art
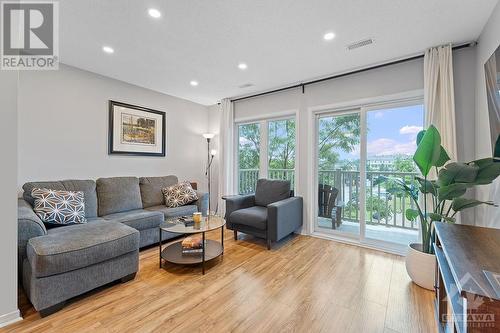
x=136, y=130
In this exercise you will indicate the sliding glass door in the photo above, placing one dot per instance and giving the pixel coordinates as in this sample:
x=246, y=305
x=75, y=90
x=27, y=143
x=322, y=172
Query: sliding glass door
x=266, y=149
x=354, y=150
x=338, y=181
x=391, y=142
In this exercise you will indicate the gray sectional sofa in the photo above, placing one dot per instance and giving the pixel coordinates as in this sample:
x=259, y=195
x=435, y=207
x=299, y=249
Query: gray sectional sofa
x=123, y=215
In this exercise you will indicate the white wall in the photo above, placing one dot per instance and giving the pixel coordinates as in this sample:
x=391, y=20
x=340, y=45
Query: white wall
x=63, y=129
x=488, y=42
x=8, y=201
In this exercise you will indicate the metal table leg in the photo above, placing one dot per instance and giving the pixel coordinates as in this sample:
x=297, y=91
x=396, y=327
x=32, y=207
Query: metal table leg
x=222, y=238
x=159, y=245
x=203, y=254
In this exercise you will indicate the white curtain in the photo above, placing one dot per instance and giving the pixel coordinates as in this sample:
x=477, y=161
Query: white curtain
x=226, y=158
x=439, y=97
x=439, y=100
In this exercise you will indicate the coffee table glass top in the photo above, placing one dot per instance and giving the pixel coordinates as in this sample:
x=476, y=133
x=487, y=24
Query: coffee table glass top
x=208, y=223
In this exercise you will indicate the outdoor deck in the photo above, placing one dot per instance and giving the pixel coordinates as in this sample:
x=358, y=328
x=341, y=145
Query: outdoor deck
x=389, y=233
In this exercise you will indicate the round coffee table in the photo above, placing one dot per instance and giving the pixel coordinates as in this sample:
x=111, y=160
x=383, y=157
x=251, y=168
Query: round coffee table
x=212, y=249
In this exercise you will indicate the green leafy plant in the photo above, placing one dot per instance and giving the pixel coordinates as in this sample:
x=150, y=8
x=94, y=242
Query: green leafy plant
x=443, y=197
x=377, y=206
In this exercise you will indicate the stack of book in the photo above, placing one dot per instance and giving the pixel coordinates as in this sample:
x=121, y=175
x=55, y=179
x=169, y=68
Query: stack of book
x=188, y=222
x=192, y=244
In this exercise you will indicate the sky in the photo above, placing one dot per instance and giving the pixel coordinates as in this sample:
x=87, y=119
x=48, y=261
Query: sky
x=391, y=131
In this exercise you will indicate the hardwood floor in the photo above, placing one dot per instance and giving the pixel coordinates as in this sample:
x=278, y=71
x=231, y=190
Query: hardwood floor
x=303, y=284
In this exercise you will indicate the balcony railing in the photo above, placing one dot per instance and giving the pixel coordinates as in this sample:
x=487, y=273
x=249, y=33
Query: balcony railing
x=382, y=207
x=247, y=179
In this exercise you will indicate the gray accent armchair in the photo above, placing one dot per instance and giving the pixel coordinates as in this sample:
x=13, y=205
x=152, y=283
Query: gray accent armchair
x=271, y=213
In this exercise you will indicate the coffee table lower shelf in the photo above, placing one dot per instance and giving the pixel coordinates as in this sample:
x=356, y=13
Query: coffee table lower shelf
x=173, y=253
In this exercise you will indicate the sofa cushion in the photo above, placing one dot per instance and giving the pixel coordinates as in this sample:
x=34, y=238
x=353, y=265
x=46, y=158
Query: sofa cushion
x=88, y=187
x=175, y=212
x=72, y=247
x=151, y=187
x=255, y=217
x=179, y=195
x=269, y=191
x=139, y=219
x=118, y=194
x=59, y=207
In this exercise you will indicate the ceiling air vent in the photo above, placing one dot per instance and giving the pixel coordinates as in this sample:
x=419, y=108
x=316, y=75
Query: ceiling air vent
x=246, y=85
x=361, y=43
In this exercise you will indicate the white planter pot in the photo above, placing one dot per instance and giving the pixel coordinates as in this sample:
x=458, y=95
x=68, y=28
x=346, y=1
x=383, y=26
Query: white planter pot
x=421, y=267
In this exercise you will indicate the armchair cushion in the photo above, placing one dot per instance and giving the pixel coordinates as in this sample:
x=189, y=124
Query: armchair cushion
x=235, y=202
x=269, y=191
x=255, y=217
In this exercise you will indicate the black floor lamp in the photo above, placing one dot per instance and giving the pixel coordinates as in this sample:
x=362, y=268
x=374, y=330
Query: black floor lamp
x=210, y=158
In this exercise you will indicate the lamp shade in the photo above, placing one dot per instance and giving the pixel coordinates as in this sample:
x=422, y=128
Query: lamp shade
x=213, y=152
x=208, y=135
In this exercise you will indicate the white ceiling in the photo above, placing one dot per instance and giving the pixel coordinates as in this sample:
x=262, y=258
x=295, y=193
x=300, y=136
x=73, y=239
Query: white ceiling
x=281, y=41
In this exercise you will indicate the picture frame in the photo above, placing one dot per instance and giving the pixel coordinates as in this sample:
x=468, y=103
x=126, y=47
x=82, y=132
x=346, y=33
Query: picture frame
x=136, y=130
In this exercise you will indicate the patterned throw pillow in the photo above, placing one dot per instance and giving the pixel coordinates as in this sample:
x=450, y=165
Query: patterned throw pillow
x=179, y=194
x=59, y=207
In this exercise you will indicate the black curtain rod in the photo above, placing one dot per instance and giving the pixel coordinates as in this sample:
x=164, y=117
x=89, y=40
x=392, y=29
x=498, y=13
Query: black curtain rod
x=304, y=84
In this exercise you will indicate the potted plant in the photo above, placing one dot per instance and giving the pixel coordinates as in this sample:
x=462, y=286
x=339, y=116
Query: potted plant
x=442, y=198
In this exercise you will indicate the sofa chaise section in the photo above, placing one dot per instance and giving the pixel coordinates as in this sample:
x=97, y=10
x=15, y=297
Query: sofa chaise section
x=72, y=260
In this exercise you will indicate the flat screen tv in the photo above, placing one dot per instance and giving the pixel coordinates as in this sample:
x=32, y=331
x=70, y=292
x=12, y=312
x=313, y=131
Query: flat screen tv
x=492, y=73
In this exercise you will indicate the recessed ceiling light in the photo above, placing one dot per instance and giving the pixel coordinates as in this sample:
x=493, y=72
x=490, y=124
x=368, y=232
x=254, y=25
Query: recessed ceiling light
x=329, y=36
x=193, y=83
x=108, y=49
x=242, y=66
x=154, y=13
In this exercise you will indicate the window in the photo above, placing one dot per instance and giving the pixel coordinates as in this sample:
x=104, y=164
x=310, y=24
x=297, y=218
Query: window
x=248, y=157
x=266, y=149
x=281, y=150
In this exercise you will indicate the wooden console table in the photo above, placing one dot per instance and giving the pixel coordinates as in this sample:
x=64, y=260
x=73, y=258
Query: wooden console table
x=465, y=299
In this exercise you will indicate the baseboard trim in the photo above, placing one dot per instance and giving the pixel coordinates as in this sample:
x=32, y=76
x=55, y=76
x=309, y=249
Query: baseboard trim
x=10, y=318
x=396, y=249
